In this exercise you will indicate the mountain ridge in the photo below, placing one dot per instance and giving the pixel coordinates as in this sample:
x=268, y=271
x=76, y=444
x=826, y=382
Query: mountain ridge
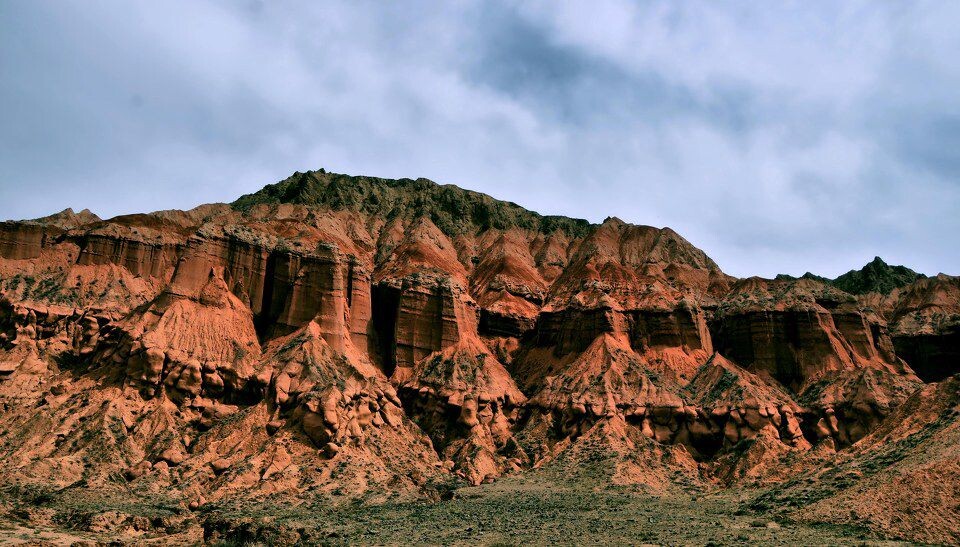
x=876, y=276
x=345, y=340
x=451, y=208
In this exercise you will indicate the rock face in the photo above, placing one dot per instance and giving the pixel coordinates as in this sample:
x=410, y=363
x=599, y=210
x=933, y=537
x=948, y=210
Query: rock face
x=352, y=336
x=21, y=240
x=925, y=325
x=815, y=340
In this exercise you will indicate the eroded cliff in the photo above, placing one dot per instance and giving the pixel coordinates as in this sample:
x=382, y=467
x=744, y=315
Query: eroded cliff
x=350, y=336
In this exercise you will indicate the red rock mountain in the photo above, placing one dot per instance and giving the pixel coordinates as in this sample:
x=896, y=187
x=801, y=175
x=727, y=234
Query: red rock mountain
x=353, y=336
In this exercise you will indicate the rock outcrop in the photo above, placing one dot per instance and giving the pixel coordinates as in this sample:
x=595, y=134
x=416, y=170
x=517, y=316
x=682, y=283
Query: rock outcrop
x=925, y=326
x=360, y=337
x=815, y=340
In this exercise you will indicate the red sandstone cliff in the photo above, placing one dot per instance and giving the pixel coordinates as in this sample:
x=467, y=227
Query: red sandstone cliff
x=397, y=331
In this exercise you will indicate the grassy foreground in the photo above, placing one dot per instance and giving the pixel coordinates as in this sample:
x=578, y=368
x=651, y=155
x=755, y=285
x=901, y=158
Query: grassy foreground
x=537, y=508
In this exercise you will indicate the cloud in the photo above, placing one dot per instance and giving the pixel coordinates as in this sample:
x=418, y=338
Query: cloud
x=777, y=137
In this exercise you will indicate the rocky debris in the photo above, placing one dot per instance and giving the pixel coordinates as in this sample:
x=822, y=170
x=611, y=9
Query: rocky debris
x=901, y=477
x=332, y=417
x=187, y=345
x=734, y=404
x=467, y=382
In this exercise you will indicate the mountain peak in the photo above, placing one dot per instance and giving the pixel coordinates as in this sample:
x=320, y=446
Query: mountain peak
x=453, y=209
x=68, y=218
x=876, y=276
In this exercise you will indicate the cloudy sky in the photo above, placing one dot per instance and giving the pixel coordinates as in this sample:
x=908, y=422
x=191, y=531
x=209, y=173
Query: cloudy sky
x=778, y=137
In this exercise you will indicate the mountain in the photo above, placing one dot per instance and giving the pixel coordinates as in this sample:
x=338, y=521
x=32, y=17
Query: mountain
x=334, y=339
x=452, y=209
x=876, y=277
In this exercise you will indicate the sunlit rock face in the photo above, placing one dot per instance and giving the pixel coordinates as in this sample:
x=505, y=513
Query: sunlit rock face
x=370, y=337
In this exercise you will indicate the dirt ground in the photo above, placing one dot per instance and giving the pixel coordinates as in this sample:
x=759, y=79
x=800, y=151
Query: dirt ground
x=537, y=508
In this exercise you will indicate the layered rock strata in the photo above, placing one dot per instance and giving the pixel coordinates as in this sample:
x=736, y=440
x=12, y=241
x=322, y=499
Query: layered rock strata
x=331, y=329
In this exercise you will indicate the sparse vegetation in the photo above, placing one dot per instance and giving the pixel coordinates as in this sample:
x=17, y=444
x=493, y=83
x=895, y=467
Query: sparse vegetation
x=454, y=210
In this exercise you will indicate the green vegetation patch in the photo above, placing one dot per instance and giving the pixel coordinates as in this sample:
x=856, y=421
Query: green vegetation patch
x=452, y=209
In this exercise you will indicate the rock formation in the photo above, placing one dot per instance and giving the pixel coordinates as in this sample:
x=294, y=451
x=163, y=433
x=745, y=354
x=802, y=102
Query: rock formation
x=345, y=336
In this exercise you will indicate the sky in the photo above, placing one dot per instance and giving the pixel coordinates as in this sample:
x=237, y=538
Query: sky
x=779, y=137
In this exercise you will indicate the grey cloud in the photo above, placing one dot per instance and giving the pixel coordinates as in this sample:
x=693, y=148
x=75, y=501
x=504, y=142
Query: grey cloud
x=778, y=138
